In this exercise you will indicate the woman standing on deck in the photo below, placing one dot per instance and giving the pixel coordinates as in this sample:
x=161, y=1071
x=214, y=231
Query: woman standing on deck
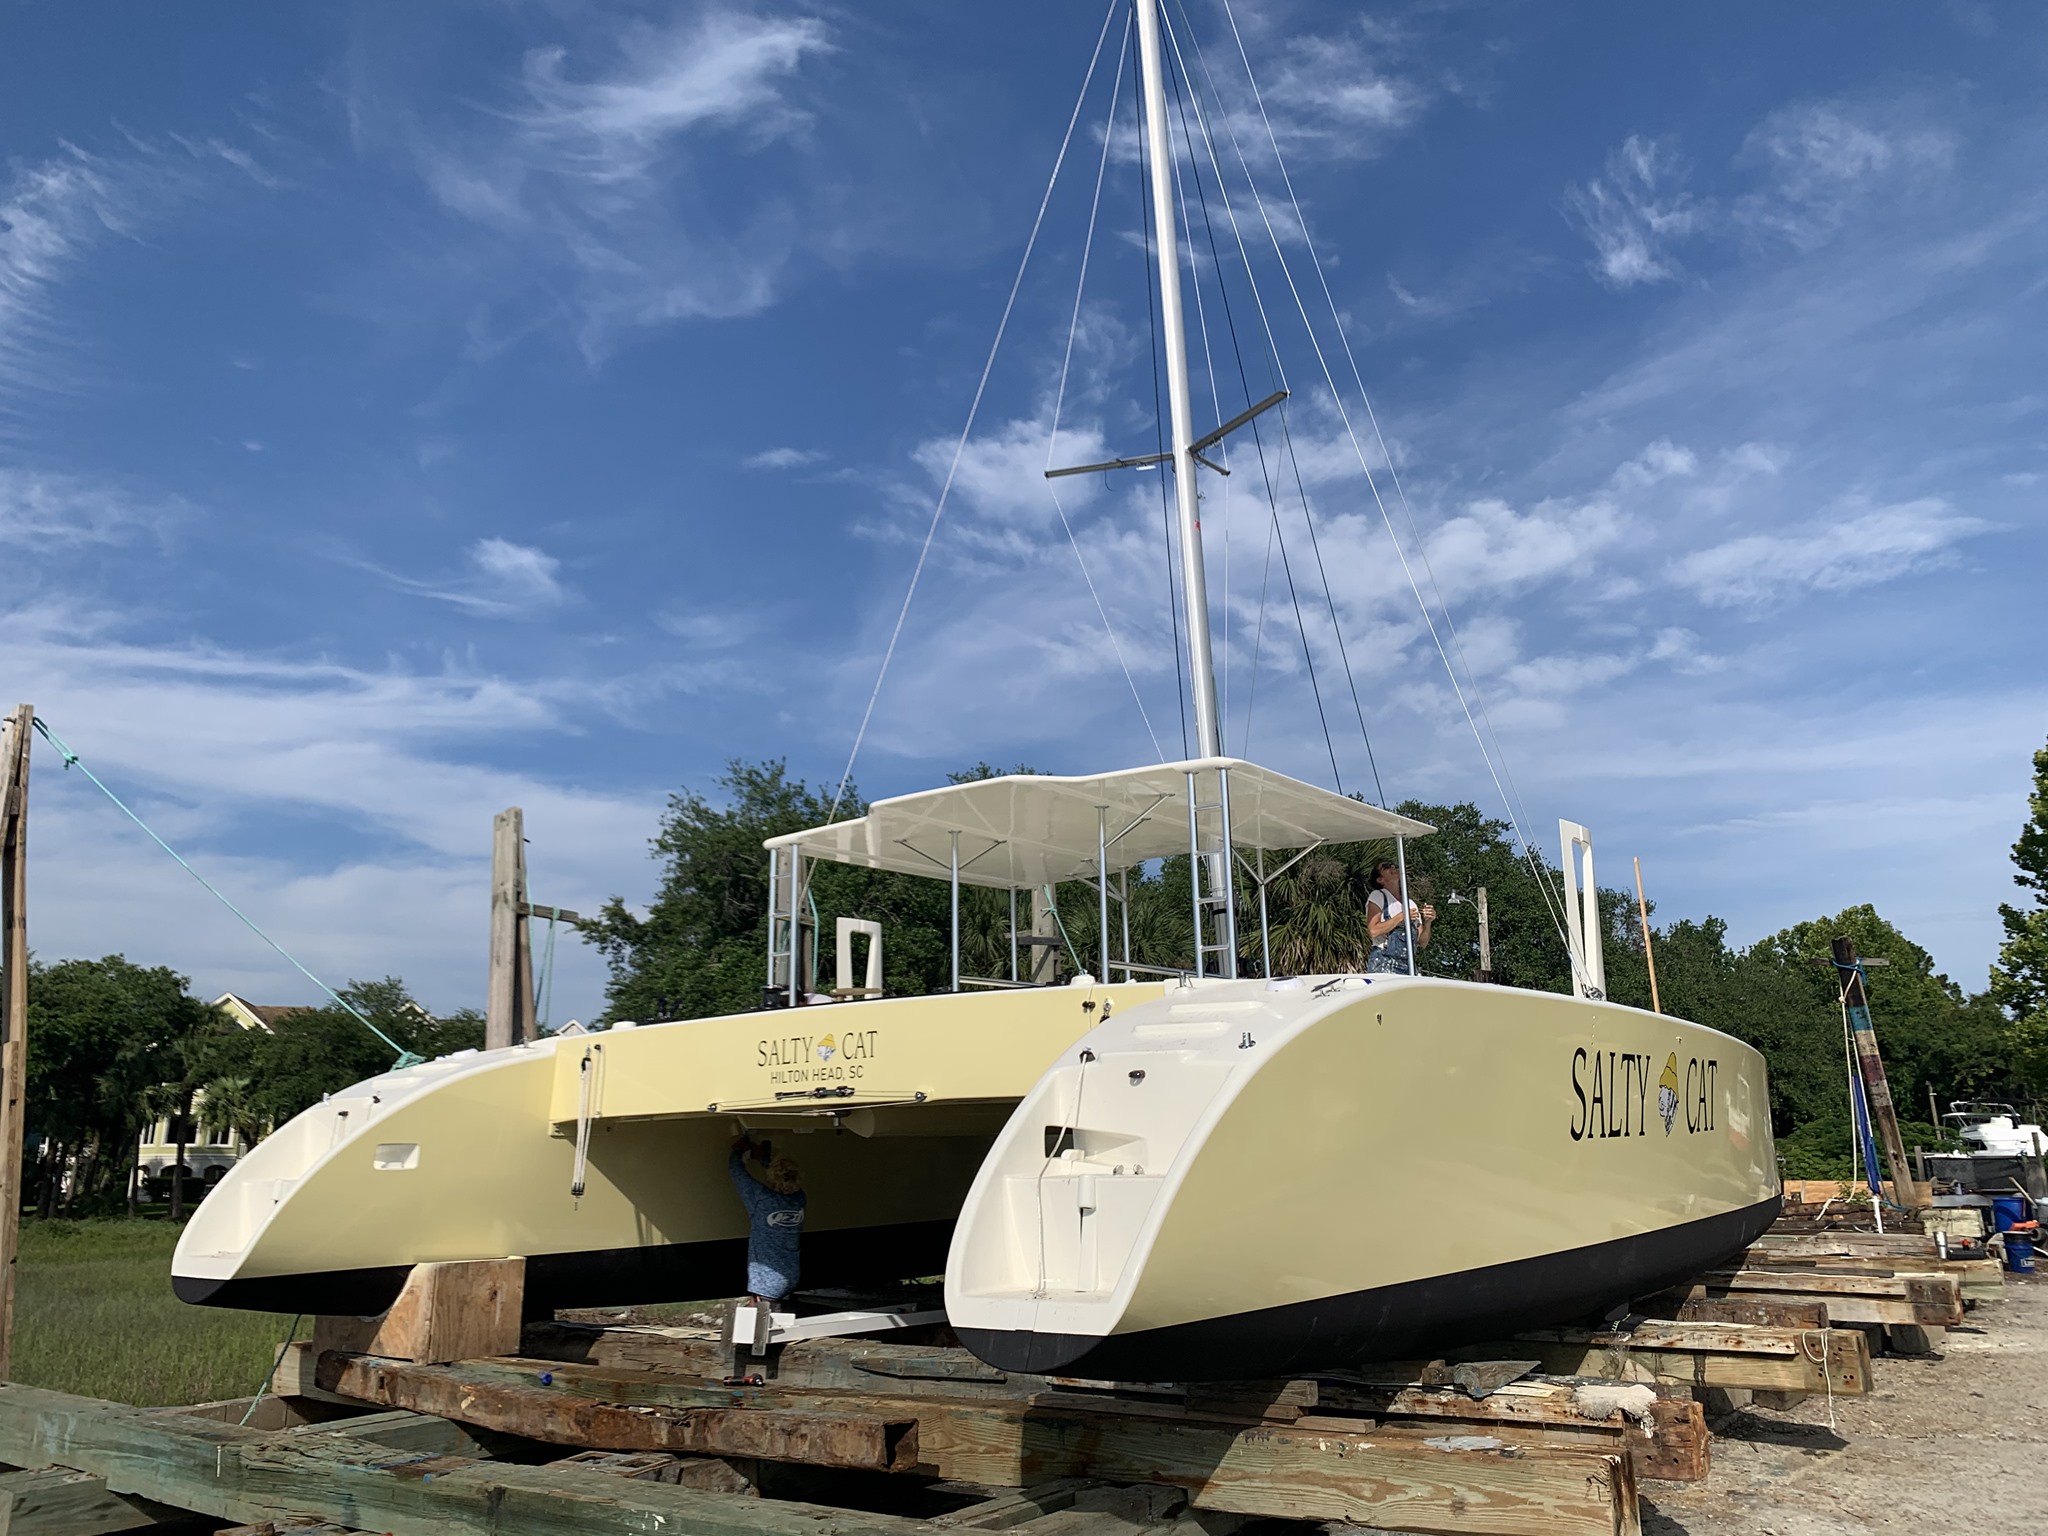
x=1393, y=923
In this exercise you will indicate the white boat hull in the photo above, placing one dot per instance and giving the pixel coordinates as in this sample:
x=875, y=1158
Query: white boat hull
x=1306, y=1180
x=888, y=1105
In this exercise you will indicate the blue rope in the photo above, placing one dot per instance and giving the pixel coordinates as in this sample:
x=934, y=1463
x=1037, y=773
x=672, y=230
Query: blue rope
x=71, y=760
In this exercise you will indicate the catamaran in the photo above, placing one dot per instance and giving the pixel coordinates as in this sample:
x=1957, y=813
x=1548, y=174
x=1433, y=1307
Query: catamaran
x=1133, y=1171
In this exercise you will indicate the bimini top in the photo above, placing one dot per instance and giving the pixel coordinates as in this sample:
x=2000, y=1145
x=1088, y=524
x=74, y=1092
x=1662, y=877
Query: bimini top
x=1025, y=830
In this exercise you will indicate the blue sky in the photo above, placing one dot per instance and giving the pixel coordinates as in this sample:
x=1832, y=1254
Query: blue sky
x=410, y=411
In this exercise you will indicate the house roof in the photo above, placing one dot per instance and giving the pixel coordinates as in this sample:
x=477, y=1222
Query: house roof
x=1025, y=830
x=265, y=1016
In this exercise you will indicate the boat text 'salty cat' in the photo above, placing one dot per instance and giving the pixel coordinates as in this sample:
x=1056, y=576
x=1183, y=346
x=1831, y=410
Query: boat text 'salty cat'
x=1132, y=1171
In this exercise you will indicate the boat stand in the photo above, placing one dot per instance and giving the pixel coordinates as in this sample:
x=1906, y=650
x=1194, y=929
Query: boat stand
x=789, y=1327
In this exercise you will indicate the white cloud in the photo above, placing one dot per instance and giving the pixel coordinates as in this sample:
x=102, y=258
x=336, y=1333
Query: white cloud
x=41, y=509
x=1634, y=213
x=1821, y=157
x=596, y=168
x=505, y=580
x=1831, y=555
x=52, y=213
x=783, y=458
x=228, y=753
x=722, y=70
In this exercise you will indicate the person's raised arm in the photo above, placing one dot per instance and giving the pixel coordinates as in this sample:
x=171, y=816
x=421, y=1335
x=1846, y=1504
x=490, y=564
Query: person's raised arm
x=744, y=1184
x=1377, y=922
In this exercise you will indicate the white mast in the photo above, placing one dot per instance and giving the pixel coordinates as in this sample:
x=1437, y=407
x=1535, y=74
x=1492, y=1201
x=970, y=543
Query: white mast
x=1194, y=584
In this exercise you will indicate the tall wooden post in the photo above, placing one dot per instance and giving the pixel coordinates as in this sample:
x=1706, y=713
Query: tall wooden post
x=508, y=998
x=1877, y=1093
x=14, y=740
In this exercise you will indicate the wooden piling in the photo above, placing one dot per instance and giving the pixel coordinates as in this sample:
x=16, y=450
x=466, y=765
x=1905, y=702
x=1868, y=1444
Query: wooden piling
x=14, y=743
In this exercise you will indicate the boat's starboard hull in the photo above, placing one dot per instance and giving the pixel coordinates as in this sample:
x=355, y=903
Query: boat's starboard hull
x=1252, y=1179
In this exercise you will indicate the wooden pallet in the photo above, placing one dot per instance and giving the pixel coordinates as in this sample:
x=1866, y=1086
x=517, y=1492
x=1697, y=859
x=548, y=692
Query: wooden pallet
x=444, y=1479
x=1852, y=1295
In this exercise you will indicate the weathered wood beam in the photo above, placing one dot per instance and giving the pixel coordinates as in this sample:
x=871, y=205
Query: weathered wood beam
x=1935, y=1300
x=1388, y=1479
x=1728, y=1355
x=1674, y=1448
x=523, y=1401
x=1692, y=1304
x=54, y=1501
x=453, y=1311
x=242, y=1475
x=1980, y=1279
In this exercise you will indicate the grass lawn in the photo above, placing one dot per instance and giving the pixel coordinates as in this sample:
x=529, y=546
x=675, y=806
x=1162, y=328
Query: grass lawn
x=94, y=1314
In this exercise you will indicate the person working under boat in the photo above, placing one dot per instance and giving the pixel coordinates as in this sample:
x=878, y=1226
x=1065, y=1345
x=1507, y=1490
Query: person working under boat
x=1394, y=924
x=772, y=1191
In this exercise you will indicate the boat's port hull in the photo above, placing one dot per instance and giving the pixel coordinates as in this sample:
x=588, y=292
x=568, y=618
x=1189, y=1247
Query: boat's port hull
x=474, y=1157
x=604, y=1277
x=1411, y=1320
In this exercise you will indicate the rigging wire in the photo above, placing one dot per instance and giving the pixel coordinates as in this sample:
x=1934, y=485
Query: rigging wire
x=1512, y=796
x=1153, y=324
x=1060, y=397
x=980, y=388
x=71, y=760
x=1551, y=899
x=1315, y=687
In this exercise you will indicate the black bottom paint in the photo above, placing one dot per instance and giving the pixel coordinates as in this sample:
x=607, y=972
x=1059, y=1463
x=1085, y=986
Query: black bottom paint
x=609, y=1277
x=1395, y=1322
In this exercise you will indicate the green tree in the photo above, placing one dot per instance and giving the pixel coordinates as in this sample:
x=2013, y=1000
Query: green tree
x=105, y=1036
x=317, y=1051
x=2019, y=980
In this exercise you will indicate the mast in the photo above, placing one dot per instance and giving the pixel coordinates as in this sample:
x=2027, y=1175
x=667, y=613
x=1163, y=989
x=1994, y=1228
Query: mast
x=1194, y=583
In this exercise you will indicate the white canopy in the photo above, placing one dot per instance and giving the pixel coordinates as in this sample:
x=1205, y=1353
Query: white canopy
x=1026, y=830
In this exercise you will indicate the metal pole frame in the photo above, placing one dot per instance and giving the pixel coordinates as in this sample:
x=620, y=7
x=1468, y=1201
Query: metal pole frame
x=1194, y=847
x=953, y=839
x=1123, y=896
x=774, y=871
x=1407, y=909
x=1102, y=888
x=796, y=896
x=1265, y=931
x=1166, y=227
x=1013, y=933
x=1223, y=863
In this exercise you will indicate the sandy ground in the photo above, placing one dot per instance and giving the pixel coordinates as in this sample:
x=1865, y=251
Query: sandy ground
x=1955, y=1443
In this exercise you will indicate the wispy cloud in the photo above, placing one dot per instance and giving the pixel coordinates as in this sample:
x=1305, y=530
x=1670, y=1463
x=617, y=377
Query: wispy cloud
x=1832, y=554
x=1634, y=213
x=54, y=211
x=783, y=458
x=593, y=164
x=723, y=68
x=1820, y=158
x=45, y=510
x=504, y=580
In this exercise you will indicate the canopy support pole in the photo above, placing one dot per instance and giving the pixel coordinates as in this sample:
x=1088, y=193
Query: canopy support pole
x=1407, y=911
x=1102, y=887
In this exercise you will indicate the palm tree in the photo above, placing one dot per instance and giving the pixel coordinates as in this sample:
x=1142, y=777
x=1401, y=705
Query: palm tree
x=231, y=1102
x=1318, y=921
